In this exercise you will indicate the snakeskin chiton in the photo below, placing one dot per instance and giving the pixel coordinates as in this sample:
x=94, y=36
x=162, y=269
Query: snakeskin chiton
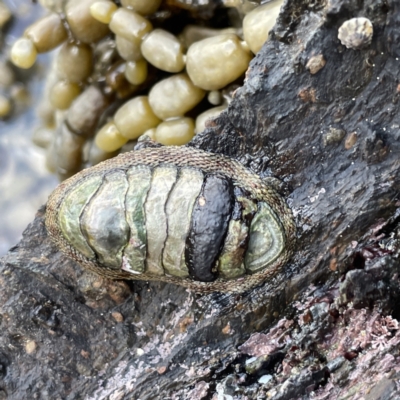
x=173, y=214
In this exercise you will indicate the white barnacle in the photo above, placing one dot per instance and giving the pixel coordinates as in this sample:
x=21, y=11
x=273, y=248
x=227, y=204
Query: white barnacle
x=356, y=33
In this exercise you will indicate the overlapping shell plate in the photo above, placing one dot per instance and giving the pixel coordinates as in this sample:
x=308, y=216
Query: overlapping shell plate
x=173, y=214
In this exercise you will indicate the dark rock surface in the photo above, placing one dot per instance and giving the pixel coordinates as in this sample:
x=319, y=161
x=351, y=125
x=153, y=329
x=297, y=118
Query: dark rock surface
x=325, y=327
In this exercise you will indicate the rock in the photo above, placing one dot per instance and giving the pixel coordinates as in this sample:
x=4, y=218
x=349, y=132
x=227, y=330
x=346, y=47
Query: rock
x=345, y=203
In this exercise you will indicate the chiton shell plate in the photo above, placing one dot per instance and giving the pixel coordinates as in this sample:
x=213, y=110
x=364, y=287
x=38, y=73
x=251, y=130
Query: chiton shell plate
x=173, y=214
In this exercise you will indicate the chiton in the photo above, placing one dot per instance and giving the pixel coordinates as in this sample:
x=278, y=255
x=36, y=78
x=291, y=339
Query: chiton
x=173, y=214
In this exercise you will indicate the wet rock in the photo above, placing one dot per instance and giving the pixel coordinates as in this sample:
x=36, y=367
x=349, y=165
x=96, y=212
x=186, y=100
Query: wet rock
x=299, y=384
x=344, y=202
x=376, y=283
x=260, y=365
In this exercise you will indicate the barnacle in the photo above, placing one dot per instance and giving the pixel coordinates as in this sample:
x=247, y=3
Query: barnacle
x=356, y=33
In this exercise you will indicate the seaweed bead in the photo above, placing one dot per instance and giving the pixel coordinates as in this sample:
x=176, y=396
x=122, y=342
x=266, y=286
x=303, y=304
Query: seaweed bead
x=47, y=33
x=84, y=27
x=103, y=11
x=5, y=106
x=174, y=96
x=109, y=138
x=258, y=23
x=214, y=62
x=127, y=49
x=135, y=117
x=74, y=62
x=175, y=132
x=130, y=25
x=63, y=93
x=136, y=71
x=142, y=7
x=163, y=50
x=206, y=115
x=23, y=53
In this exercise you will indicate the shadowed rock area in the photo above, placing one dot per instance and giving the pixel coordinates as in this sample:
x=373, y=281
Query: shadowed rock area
x=326, y=326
